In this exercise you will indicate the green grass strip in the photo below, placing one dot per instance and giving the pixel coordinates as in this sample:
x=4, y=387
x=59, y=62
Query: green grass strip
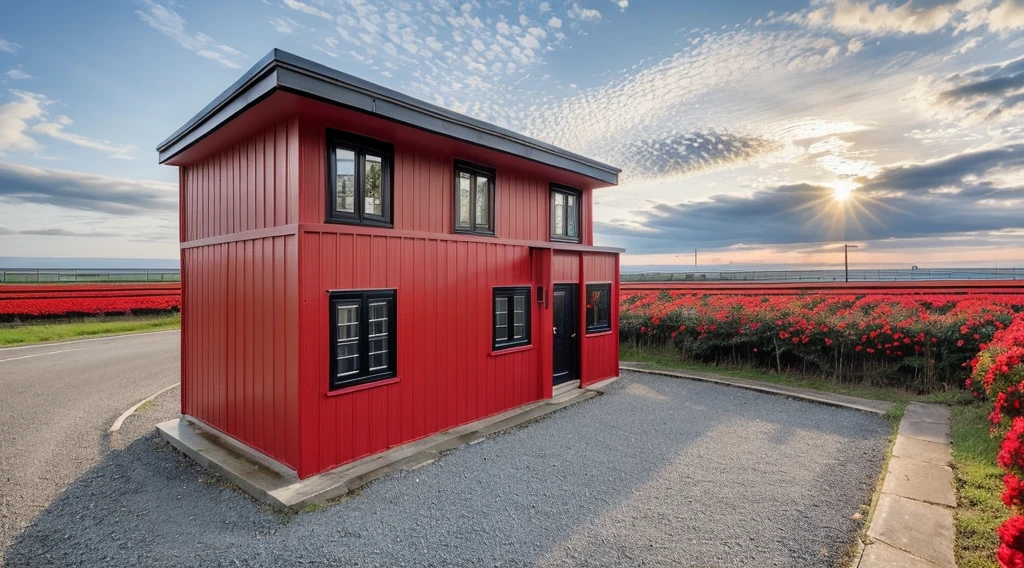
x=979, y=483
x=27, y=333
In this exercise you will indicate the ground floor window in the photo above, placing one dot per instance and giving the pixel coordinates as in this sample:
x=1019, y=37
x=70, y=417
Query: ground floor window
x=511, y=317
x=599, y=307
x=362, y=337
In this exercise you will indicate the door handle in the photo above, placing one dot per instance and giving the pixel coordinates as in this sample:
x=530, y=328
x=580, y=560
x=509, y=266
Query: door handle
x=574, y=336
x=554, y=330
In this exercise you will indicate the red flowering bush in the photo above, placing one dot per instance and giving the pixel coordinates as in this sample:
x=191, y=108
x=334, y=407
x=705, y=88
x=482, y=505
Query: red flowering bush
x=30, y=302
x=999, y=370
x=919, y=341
x=1011, y=543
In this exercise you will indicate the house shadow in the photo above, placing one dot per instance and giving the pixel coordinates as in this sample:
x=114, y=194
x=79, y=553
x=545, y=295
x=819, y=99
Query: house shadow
x=658, y=471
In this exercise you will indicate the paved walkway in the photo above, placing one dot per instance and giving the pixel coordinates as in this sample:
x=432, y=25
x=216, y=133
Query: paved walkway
x=913, y=521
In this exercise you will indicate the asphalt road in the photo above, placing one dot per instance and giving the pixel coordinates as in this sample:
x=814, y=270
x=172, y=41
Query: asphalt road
x=57, y=402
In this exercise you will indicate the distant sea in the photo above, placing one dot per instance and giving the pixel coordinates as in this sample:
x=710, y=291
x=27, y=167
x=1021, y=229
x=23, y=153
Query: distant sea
x=56, y=262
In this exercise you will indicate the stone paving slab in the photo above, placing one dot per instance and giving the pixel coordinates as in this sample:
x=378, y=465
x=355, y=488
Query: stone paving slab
x=927, y=431
x=922, y=529
x=881, y=555
x=922, y=450
x=926, y=413
x=919, y=480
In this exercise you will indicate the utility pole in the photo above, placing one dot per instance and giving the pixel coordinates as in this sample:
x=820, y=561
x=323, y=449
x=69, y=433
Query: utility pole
x=846, y=259
x=695, y=258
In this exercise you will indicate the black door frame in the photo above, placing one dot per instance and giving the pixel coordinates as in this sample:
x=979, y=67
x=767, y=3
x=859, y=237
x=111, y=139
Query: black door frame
x=572, y=340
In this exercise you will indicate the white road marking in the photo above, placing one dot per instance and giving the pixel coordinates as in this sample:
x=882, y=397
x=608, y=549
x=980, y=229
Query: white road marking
x=55, y=343
x=117, y=423
x=39, y=354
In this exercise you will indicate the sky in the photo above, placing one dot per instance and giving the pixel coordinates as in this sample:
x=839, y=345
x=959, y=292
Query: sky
x=756, y=133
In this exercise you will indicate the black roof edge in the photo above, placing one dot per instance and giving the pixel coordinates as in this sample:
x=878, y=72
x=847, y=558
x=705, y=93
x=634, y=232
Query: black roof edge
x=285, y=71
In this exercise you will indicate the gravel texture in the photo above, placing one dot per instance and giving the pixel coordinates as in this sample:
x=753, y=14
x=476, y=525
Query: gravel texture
x=57, y=402
x=658, y=472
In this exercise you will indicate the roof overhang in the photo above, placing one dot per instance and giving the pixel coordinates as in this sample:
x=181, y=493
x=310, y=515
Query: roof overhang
x=281, y=70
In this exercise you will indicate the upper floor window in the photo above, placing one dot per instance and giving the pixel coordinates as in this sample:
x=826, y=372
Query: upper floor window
x=474, y=199
x=359, y=181
x=565, y=214
x=362, y=337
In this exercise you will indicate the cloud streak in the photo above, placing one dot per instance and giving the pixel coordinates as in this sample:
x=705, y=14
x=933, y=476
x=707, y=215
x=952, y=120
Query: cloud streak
x=168, y=22
x=87, y=192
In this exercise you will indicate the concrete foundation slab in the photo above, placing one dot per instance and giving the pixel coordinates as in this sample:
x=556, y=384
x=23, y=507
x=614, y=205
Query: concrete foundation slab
x=922, y=529
x=922, y=481
x=271, y=483
x=921, y=450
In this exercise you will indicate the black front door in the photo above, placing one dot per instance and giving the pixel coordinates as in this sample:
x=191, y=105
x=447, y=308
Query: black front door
x=564, y=320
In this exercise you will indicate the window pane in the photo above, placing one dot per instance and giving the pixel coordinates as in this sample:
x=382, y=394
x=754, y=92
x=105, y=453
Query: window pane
x=483, y=193
x=500, y=319
x=571, y=215
x=519, y=318
x=348, y=321
x=378, y=319
x=373, y=184
x=464, y=200
x=348, y=358
x=599, y=307
x=559, y=213
x=379, y=354
x=346, y=180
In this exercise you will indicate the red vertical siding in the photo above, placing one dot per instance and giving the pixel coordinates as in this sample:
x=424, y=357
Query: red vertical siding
x=244, y=187
x=565, y=267
x=240, y=295
x=600, y=352
x=444, y=341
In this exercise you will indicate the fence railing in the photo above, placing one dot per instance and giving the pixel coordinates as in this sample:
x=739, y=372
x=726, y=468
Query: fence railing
x=80, y=275
x=856, y=275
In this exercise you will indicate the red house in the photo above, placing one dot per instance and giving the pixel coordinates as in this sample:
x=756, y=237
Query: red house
x=361, y=269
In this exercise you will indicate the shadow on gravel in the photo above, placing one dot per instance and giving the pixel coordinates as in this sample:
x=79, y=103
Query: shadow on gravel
x=661, y=472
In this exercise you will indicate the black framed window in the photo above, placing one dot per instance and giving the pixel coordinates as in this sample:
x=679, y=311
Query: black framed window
x=359, y=179
x=474, y=199
x=565, y=214
x=362, y=337
x=599, y=307
x=511, y=317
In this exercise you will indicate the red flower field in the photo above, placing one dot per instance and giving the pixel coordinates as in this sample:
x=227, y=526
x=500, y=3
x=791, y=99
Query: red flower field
x=28, y=302
x=917, y=341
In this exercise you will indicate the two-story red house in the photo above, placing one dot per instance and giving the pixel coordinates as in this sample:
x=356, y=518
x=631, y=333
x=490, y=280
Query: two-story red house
x=361, y=269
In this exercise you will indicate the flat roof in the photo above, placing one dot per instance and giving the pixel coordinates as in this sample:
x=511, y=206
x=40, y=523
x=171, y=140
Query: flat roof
x=280, y=70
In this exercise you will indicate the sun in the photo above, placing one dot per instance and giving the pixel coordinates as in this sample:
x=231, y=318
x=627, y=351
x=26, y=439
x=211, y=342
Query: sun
x=842, y=190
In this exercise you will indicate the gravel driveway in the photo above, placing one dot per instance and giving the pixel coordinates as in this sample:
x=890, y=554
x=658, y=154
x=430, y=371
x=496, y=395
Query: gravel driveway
x=658, y=472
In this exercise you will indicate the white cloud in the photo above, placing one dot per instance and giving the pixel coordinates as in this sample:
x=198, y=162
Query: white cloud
x=853, y=17
x=284, y=25
x=503, y=28
x=55, y=130
x=14, y=117
x=1007, y=16
x=307, y=9
x=8, y=47
x=583, y=14
x=855, y=45
x=523, y=20
x=168, y=22
x=18, y=74
x=622, y=4
x=554, y=23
